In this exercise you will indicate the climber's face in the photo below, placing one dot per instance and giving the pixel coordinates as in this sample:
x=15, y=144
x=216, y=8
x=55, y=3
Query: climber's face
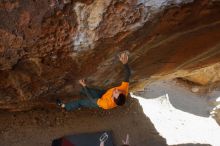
x=116, y=93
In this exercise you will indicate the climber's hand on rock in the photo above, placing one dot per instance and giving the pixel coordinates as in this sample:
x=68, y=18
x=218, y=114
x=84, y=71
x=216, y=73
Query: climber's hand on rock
x=123, y=58
x=82, y=82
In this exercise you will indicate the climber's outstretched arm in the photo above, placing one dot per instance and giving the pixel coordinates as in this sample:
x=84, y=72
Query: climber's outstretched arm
x=124, y=60
x=88, y=94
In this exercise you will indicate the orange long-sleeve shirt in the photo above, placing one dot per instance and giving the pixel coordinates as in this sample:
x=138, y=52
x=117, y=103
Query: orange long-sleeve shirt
x=106, y=101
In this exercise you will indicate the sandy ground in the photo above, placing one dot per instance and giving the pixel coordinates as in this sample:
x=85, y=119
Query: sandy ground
x=39, y=127
x=186, y=114
x=181, y=96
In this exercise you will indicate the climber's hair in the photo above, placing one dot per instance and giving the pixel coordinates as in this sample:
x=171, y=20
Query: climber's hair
x=120, y=100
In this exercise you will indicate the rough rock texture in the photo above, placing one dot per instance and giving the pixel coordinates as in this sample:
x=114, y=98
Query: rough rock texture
x=217, y=116
x=205, y=76
x=45, y=49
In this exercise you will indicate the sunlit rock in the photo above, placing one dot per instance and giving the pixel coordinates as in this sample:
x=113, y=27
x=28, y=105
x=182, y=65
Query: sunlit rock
x=45, y=48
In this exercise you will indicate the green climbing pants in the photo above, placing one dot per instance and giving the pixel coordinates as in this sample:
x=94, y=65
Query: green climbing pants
x=86, y=102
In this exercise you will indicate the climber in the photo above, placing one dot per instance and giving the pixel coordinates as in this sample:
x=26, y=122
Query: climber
x=105, y=99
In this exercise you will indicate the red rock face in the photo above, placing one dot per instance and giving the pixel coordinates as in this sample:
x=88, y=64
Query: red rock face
x=45, y=49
